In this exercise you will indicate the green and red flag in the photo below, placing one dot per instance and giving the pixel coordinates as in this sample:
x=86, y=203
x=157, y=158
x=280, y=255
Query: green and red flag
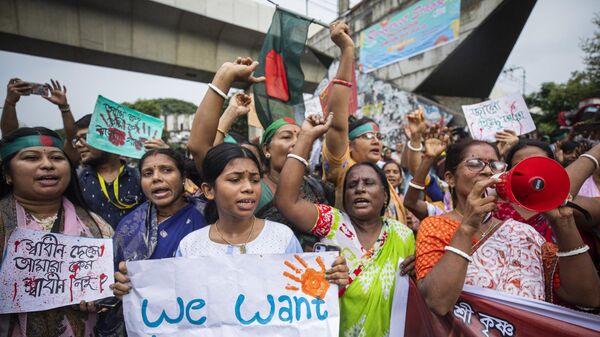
x=280, y=96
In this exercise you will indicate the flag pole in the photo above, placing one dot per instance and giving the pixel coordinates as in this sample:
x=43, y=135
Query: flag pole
x=301, y=16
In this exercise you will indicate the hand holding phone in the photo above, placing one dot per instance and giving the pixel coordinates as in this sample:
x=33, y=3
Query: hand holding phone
x=39, y=89
x=323, y=247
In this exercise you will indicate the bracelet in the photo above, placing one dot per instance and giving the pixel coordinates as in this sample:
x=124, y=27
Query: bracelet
x=300, y=159
x=217, y=90
x=574, y=252
x=64, y=108
x=7, y=102
x=342, y=82
x=459, y=253
x=219, y=130
x=416, y=186
x=590, y=157
x=416, y=149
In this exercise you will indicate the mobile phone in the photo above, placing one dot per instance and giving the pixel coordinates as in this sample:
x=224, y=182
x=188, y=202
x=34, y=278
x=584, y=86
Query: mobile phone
x=323, y=247
x=39, y=89
x=109, y=302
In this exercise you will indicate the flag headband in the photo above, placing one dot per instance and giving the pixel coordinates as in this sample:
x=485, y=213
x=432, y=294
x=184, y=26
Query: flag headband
x=20, y=143
x=272, y=129
x=362, y=129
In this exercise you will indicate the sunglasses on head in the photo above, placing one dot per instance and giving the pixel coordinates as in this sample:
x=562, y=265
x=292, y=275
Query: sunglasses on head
x=370, y=135
x=477, y=165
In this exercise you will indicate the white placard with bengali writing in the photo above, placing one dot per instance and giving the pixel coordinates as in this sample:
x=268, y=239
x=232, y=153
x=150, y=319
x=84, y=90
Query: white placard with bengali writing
x=505, y=113
x=234, y=295
x=42, y=270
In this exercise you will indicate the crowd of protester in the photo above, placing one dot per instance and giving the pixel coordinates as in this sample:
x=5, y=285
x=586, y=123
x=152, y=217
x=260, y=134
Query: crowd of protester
x=423, y=203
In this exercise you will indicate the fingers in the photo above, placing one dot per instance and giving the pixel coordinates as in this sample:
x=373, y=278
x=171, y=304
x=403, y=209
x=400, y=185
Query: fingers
x=120, y=289
x=86, y=306
x=338, y=274
x=408, y=265
x=123, y=267
x=480, y=186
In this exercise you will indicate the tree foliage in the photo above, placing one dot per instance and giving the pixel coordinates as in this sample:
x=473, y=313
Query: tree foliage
x=162, y=106
x=553, y=98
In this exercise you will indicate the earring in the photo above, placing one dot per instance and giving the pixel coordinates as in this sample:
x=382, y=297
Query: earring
x=267, y=155
x=8, y=181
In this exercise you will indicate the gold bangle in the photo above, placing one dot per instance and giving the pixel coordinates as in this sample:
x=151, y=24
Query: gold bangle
x=222, y=132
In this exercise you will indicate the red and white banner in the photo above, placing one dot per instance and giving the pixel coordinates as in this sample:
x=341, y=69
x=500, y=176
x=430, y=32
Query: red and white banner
x=485, y=312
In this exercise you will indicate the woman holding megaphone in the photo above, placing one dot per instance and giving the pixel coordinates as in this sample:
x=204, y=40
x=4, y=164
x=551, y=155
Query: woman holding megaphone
x=470, y=246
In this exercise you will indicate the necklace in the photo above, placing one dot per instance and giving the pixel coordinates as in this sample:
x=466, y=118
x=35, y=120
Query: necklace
x=243, y=245
x=487, y=218
x=47, y=222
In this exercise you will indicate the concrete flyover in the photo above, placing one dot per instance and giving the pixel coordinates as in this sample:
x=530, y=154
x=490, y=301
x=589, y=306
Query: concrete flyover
x=185, y=39
x=457, y=73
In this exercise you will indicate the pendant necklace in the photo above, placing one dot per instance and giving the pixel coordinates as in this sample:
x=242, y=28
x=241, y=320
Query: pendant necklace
x=241, y=246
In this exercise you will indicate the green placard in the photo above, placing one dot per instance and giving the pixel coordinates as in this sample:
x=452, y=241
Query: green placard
x=121, y=130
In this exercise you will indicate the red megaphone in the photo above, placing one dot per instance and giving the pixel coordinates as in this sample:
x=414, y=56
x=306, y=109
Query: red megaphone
x=537, y=184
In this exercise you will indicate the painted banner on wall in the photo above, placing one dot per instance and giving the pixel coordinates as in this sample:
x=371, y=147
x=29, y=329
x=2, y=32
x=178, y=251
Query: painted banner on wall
x=118, y=129
x=425, y=25
x=42, y=270
x=240, y=295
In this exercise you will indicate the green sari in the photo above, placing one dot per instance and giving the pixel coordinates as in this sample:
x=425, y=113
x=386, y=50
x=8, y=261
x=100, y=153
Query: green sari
x=366, y=304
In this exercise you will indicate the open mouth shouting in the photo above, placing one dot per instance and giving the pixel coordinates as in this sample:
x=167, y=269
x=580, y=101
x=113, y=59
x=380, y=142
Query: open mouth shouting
x=247, y=204
x=160, y=192
x=361, y=203
x=48, y=180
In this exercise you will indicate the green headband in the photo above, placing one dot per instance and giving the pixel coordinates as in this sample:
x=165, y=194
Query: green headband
x=229, y=139
x=29, y=141
x=271, y=129
x=362, y=129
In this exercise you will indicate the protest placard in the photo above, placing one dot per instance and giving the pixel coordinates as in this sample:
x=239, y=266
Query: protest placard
x=42, y=270
x=118, y=129
x=505, y=113
x=234, y=295
x=485, y=312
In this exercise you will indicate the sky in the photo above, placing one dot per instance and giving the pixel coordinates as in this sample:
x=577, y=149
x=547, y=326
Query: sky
x=548, y=49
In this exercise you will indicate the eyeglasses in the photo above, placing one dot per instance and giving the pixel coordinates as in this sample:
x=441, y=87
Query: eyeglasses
x=477, y=165
x=370, y=136
x=81, y=138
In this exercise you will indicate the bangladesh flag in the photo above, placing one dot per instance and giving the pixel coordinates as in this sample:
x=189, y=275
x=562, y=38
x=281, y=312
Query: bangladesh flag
x=281, y=94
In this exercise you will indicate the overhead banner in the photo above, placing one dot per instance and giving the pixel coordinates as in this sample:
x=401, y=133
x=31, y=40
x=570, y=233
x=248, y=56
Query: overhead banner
x=42, y=270
x=239, y=295
x=505, y=113
x=118, y=129
x=425, y=25
x=486, y=313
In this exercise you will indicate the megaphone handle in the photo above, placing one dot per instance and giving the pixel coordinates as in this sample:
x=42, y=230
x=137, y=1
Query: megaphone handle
x=586, y=214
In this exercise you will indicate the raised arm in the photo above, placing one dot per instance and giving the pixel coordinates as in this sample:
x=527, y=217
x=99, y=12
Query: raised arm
x=336, y=139
x=207, y=116
x=302, y=213
x=58, y=97
x=239, y=105
x=412, y=201
x=14, y=90
x=582, y=168
x=414, y=130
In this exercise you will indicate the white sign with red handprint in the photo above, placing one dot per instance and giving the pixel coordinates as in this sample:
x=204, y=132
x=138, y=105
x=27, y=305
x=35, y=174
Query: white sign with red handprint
x=233, y=295
x=42, y=270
